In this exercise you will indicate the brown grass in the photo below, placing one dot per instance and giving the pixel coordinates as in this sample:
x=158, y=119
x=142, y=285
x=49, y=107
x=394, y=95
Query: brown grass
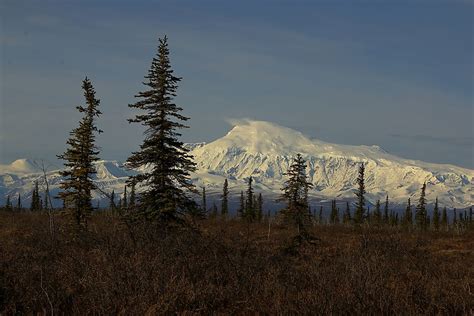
x=230, y=267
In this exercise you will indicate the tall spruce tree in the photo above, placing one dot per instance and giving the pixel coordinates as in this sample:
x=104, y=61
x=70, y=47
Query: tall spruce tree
x=377, y=215
x=386, y=217
x=241, y=210
x=408, y=217
x=444, y=218
x=259, y=207
x=18, y=204
x=8, y=204
x=249, y=201
x=436, y=215
x=204, y=200
x=360, y=204
x=346, y=219
x=35, y=198
x=420, y=213
x=112, y=204
x=79, y=159
x=334, y=217
x=125, y=199
x=168, y=183
x=132, y=201
x=225, y=199
x=295, y=194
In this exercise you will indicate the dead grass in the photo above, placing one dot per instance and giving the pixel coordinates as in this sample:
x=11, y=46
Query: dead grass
x=230, y=267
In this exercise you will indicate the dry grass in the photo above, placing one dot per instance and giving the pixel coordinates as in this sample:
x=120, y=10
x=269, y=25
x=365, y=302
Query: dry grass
x=230, y=267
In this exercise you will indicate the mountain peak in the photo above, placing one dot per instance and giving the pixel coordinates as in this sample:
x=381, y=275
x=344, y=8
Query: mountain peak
x=263, y=136
x=22, y=165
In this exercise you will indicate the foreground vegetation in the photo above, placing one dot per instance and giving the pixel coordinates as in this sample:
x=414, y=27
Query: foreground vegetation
x=229, y=266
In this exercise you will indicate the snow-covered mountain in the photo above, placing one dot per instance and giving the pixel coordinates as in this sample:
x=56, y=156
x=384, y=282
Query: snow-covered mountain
x=264, y=151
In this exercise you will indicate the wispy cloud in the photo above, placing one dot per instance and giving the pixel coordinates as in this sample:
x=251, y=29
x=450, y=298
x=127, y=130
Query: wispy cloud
x=456, y=141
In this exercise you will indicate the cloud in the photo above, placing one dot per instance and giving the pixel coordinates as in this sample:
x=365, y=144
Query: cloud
x=456, y=141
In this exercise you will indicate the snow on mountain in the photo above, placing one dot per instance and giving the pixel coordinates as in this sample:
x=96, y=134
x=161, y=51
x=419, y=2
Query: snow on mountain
x=21, y=166
x=264, y=151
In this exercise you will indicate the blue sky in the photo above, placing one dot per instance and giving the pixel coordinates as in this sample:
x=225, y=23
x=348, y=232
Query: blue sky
x=398, y=74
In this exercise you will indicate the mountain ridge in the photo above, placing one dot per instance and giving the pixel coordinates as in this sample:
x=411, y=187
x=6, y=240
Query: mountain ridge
x=264, y=150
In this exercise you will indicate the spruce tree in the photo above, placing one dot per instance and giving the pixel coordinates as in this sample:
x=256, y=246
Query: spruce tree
x=470, y=215
x=444, y=218
x=79, y=158
x=259, y=207
x=386, y=212
x=420, y=213
x=125, y=200
x=360, y=204
x=455, y=217
x=249, y=201
x=168, y=183
x=334, y=217
x=225, y=199
x=408, y=216
x=8, y=204
x=204, y=200
x=295, y=194
x=377, y=218
x=35, y=198
x=132, y=202
x=241, y=210
x=346, y=219
x=112, y=204
x=436, y=215
x=18, y=204
x=320, y=216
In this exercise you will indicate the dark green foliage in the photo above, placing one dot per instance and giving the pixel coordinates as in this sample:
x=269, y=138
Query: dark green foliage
x=8, y=204
x=360, y=194
x=386, y=212
x=259, y=207
x=420, y=213
x=334, y=217
x=346, y=219
x=132, y=202
x=18, y=203
x=295, y=194
x=249, y=201
x=470, y=215
x=165, y=198
x=204, y=200
x=112, y=204
x=125, y=200
x=408, y=216
x=241, y=210
x=79, y=158
x=225, y=199
x=35, y=199
x=377, y=215
x=436, y=215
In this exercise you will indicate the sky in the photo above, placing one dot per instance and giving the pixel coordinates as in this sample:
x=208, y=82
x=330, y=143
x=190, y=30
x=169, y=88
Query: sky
x=398, y=74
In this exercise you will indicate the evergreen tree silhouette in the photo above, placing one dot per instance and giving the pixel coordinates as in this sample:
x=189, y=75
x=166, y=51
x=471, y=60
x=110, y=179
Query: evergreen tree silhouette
x=165, y=198
x=360, y=204
x=420, y=213
x=436, y=215
x=225, y=199
x=79, y=158
x=295, y=194
x=249, y=201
